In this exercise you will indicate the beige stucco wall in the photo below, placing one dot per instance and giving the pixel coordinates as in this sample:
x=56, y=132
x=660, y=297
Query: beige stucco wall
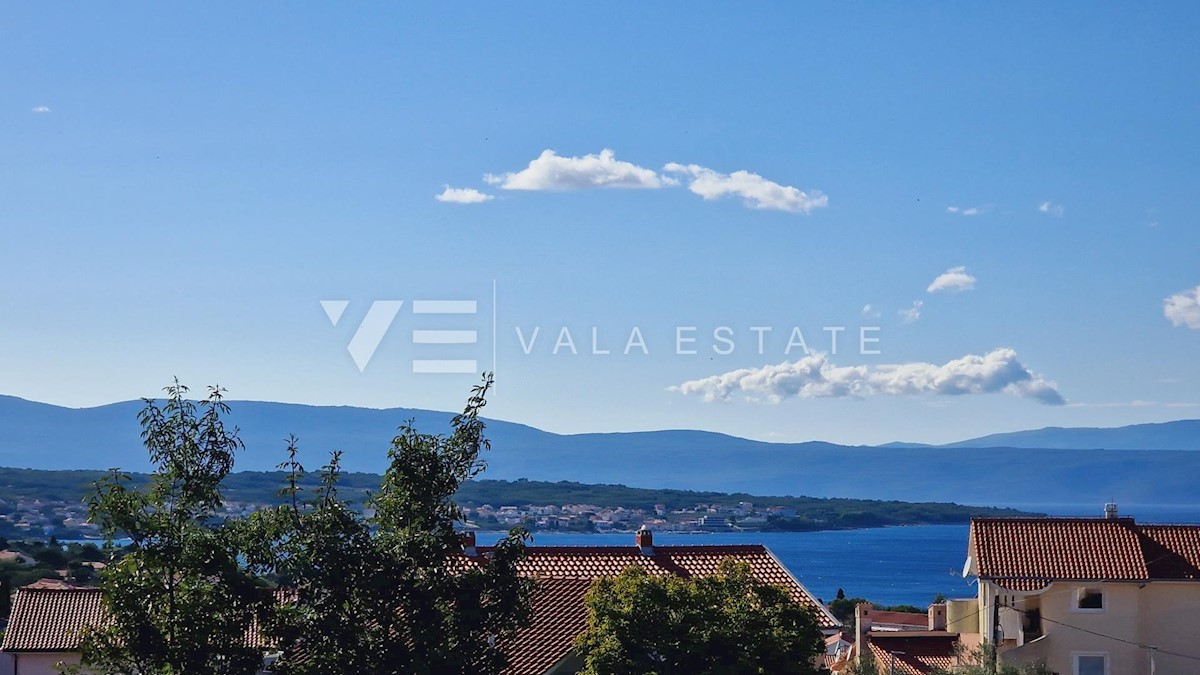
x=42, y=664
x=1174, y=625
x=1163, y=614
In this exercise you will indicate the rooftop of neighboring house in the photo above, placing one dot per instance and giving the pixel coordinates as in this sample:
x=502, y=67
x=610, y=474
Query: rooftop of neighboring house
x=592, y=562
x=1025, y=554
x=913, y=653
x=887, y=620
x=16, y=557
x=49, y=618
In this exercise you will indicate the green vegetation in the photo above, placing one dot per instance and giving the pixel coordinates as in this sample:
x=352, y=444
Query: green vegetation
x=374, y=594
x=725, y=624
x=49, y=560
x=367, y=589
x=842, y=608
x=180, y=598
x=259, y=488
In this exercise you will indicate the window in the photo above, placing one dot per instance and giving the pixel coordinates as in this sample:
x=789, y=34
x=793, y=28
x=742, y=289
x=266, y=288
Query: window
x=1089, y=600
x=1091, y=664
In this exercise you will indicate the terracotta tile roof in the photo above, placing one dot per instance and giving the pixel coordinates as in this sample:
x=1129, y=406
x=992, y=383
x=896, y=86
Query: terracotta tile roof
x=592, y=562
x=48, y=616
x=922, y=652
x=559, y=616
x=879, y=616
x=50, y=619
x=1030, y=553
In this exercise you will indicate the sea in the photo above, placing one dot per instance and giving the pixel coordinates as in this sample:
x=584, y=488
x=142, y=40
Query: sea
x=907, y=565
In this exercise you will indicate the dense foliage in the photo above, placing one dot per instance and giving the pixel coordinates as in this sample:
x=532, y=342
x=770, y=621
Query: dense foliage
x=725, y=624
x=390, y=592
x=379, y=590
x=180, y=599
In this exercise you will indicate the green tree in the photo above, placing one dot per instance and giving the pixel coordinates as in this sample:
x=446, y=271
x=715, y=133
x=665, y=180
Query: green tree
x=842, y=608
x=392, y=592
x=50, y=556
x=726, y=624
x=180, y=600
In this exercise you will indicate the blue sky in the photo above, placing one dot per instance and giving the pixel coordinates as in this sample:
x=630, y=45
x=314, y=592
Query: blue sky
x=180, y=188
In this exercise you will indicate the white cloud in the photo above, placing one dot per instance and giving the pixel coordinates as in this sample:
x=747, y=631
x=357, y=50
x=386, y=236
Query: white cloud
x=1056, y=210
x=965, y=210
x=815, y=377
x=40, y=109
x=953, y=279
x=1183, y=308
x=553, y=172
x=462, y=196
x=869, y=312
x=756, y=192
x=912, y=313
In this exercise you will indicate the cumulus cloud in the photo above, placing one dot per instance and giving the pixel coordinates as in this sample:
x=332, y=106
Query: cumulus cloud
x=756, y=192
x=965, y=210
x=1053, y=209
x=40, y=109
x=551, y=171
x=869, y=312
x=912, y=313
x=815, y=377
x=462, y=196
x=1183, y=308
x=953, y=279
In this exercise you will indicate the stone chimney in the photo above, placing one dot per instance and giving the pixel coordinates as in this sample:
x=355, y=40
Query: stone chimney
x=645, y=541
x=937, y=616
x=862, y=630
x=468, y=542
x=1110, y=510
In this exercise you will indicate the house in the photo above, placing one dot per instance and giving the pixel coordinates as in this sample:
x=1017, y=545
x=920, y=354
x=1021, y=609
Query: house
x=16, y=558
x=565, y=573
x=44, y=627
x=45, y=622
x=904, y=643
x=1088, y=596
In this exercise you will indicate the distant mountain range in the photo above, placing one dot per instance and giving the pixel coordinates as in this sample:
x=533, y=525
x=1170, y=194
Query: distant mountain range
x=1178, y=435
x=1148, y=463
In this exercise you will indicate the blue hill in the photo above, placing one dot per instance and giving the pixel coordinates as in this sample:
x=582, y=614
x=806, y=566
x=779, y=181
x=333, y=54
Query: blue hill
x=1178, y=435
x=42, y=436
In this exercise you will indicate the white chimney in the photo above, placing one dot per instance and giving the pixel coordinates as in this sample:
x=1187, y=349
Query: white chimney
x=1110, y=510
x=862, y=630
x=937, y=616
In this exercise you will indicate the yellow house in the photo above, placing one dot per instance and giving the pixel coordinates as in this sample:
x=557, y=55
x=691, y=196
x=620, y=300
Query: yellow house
x=1088, y=596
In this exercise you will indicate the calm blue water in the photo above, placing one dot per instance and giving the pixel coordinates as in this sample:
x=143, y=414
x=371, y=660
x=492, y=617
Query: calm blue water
x=891, y=565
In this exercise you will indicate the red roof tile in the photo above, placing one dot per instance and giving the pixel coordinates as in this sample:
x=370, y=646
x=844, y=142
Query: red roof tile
x=914, y=654
x=51, y=619
x=559, y=616
x=883, y=616
x=1029, y=553
x=593, y=562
